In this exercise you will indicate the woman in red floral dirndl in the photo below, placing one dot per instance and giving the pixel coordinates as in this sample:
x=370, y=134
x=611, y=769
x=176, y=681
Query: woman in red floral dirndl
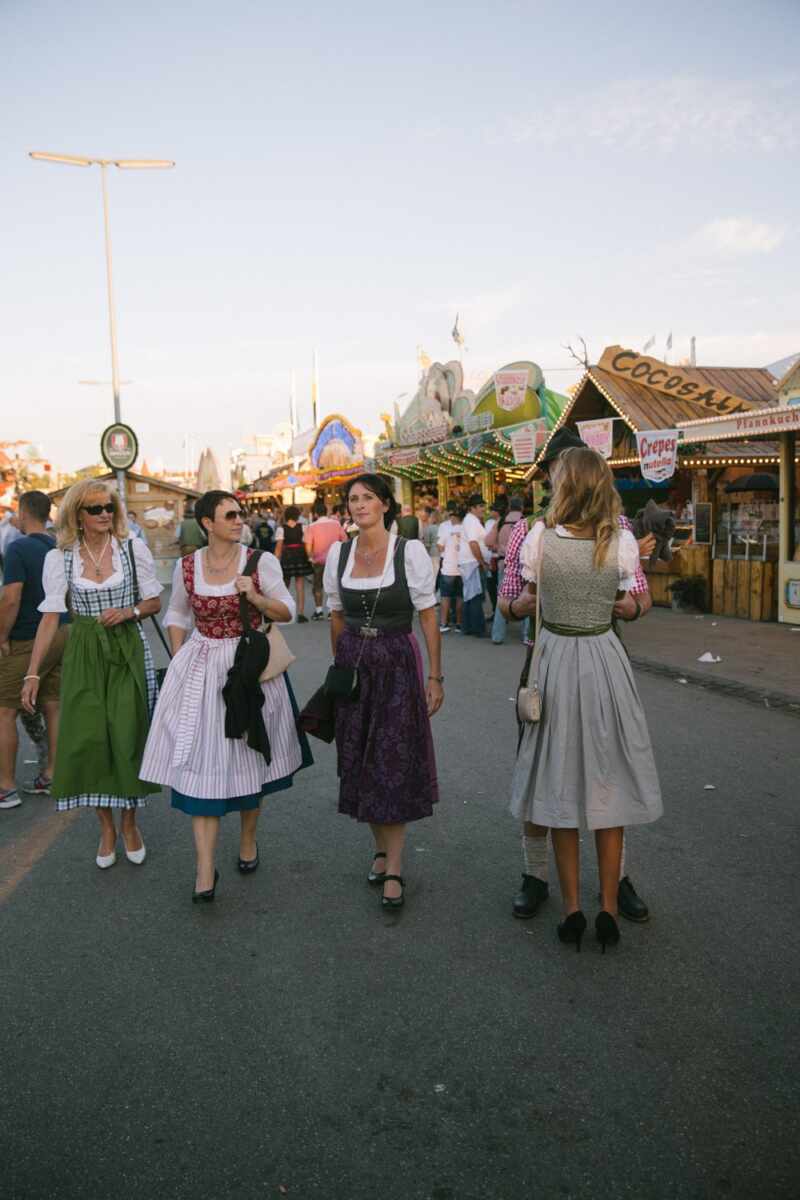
x=187, y=750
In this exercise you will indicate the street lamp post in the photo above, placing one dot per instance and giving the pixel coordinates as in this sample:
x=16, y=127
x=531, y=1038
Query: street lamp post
x=124, y=164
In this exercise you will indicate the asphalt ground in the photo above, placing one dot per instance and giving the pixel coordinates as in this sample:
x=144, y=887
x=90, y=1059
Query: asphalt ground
x=291, y=1039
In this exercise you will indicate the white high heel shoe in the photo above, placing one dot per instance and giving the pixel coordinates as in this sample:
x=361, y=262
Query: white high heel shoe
x=104, y=861
x=135, y=856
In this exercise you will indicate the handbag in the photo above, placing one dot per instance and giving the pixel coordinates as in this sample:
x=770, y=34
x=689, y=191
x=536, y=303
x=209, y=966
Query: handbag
x=318, y=718
x=529, y=700
x=160, y=671
x=341, y=683
x=279, y=656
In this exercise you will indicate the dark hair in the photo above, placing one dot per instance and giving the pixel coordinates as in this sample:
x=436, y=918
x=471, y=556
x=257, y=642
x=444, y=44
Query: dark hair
x=452, y=505
x=382, y=489
x=460, y=511
x=475, y=499
x=428, y=510
x=36, y=505
x=320, y=508
x=292, y=513
x=515, y=504
x=207, y=505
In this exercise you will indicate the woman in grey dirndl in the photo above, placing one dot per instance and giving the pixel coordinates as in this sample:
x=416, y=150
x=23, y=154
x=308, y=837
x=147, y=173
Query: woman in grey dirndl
x=588, y=762
x=108, y=681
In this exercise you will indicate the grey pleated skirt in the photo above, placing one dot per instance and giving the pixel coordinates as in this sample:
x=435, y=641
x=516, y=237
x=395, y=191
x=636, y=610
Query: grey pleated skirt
x=588, y=762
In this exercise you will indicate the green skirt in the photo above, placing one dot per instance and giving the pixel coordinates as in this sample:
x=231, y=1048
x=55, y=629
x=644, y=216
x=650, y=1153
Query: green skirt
x=104, y=717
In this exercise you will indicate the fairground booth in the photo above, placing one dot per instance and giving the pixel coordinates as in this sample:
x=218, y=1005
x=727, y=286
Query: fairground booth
x=733, y=485
x=450, y=441
x=320, y=463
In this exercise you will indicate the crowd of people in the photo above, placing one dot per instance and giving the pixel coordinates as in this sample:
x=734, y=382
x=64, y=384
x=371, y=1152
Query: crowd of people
x=222, y=729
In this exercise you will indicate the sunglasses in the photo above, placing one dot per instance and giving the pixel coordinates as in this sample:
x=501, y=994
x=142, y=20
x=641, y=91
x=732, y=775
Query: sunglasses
x=232, y=515
x=94, y=510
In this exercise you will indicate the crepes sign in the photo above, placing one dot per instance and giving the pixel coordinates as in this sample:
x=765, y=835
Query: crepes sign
x=658, y=453
x=679, y=382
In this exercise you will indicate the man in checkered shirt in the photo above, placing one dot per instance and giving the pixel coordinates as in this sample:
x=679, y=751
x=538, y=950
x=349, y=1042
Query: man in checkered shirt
x=516, y=603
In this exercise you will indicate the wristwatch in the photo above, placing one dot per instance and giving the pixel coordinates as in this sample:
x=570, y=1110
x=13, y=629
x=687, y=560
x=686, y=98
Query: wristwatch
x=137, y=616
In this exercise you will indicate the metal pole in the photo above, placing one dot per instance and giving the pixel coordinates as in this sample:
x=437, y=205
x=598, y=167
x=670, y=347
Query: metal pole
x=112, y=324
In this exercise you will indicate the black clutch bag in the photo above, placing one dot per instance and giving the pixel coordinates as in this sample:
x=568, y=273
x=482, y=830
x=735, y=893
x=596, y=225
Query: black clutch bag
x=341, y=683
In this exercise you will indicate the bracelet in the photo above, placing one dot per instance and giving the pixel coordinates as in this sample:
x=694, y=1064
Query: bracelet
x=437, y=678
x=511, y=612
x=638, y=609
x=24, y=677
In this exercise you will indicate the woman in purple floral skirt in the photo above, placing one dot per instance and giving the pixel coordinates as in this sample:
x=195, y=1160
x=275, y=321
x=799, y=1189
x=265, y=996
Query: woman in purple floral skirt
x=387, y=770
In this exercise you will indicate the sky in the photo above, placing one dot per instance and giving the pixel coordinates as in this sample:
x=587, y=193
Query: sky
x=349, y=177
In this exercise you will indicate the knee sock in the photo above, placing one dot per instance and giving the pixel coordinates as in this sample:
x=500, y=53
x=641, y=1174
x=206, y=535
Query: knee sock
x=622, y=857
x=534, y=856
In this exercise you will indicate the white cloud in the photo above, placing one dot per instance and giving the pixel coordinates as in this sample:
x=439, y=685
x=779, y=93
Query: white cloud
x=677, y=113
x=737, y=236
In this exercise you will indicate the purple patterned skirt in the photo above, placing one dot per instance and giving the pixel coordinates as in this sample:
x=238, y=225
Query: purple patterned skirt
x=387, y=769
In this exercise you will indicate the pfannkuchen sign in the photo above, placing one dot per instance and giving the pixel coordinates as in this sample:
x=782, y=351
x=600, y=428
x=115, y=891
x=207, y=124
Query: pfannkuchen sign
x=658, y=453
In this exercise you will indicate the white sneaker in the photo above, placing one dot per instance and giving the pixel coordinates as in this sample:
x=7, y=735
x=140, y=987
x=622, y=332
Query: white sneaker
x=104, y=861
x=9, y=799
x=444, y=629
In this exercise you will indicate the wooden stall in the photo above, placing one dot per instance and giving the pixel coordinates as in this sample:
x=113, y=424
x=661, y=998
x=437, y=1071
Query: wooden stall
x=639, y=394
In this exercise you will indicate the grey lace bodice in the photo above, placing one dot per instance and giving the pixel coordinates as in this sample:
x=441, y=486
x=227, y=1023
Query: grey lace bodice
x=574, y=591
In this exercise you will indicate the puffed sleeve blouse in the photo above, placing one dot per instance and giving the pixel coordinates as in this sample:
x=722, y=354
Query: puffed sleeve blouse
x=419, y=574
x=270, y=580
x=530, y=556
x=54, y=575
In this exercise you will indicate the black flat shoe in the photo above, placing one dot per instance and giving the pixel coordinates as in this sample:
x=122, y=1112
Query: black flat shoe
x=630, y=904
x=606, y=929
x=248, y=865
x=394, y=901
x=572, y=929
x=208, y=896
x=530, y=896
x=376, y=876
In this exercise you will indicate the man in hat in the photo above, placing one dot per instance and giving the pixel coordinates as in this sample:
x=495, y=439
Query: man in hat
x=516, y=603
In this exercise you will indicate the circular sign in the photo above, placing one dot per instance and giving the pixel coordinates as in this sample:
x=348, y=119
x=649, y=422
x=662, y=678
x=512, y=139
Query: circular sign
x=119, y=447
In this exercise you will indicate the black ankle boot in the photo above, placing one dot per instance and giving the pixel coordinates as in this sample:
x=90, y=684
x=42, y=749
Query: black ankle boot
x=530, y=896
x=631, y=906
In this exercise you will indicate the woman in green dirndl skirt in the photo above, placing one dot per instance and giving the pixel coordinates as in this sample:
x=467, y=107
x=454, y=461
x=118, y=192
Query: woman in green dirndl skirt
x=108, y=681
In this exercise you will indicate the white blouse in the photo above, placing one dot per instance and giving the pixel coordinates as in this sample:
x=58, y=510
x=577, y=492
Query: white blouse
x=54, y=575
x=530, y=555
x=419, y=574
x=270, y=579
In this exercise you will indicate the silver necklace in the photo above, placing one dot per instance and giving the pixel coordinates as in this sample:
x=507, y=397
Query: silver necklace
x=98, y=562
x=225, y=566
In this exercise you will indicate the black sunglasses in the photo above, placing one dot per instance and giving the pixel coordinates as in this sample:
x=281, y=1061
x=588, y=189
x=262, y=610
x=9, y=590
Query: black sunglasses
x=233, y=514
x=94, y=510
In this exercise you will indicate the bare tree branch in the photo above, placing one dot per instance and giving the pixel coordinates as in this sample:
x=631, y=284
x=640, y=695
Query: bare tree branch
x=582, y=359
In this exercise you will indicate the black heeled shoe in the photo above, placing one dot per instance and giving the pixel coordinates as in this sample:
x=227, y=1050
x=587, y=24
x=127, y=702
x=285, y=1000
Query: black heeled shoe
x=376, y=876
x=394, y=901
x=207, y=896
x=572, y=929
x=606, y=929
x=247, y=865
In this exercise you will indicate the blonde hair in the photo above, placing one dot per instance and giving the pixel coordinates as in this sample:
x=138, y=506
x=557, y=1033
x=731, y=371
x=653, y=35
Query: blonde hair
x=68, y=527
x=584, y=496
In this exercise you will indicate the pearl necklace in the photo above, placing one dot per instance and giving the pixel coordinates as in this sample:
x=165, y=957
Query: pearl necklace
x=98, y=562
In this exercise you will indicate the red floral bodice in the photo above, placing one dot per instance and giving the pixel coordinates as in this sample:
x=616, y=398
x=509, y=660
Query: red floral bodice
x=217, y=616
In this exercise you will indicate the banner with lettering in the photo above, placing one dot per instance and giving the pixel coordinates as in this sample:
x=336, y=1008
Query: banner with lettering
x=598, y=435
x=510, y=388
x=658, y=453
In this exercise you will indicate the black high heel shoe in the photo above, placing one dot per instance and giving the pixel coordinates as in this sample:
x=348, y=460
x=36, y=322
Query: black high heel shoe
x=572, y=929
x=248, y=865
x=376, y=876
x=606, y=929
x=394, y=901
x=207, y=896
